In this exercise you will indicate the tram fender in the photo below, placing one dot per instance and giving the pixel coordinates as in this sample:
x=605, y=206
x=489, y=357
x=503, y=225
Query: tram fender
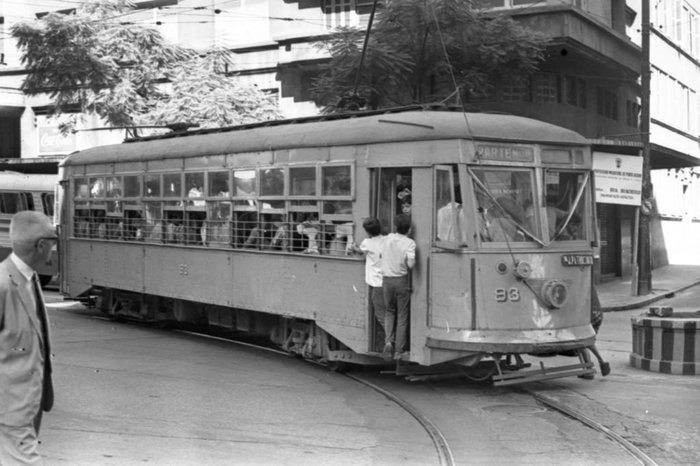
x=354, y=338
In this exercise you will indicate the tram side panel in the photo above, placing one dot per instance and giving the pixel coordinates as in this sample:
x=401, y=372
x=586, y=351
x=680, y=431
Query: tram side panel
x=329, y=291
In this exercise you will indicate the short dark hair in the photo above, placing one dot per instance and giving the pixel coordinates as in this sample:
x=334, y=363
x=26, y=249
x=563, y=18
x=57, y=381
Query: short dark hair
x=403, y=223
x=372, y=226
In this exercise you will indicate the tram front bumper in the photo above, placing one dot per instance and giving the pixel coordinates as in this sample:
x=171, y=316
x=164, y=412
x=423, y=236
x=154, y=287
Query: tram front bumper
x=535, y=342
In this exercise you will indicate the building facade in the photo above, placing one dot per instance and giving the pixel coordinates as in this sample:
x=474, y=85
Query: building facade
x=589, y=82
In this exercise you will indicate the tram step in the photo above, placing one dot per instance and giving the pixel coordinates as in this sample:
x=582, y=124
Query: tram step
x=543, y=373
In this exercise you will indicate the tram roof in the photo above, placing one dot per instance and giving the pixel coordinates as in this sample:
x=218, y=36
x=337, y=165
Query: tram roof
x=16, y=181
x=329, y=131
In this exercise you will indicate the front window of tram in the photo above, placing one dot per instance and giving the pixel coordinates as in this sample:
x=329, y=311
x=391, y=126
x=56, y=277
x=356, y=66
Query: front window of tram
x=507, y=205
x=504, y=200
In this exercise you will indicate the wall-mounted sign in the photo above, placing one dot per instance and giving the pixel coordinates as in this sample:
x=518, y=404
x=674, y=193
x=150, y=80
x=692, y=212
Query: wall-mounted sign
x=618, y=178
x=52, y=142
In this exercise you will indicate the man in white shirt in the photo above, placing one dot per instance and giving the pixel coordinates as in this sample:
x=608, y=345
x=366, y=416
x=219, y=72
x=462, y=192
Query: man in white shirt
x=398, y=258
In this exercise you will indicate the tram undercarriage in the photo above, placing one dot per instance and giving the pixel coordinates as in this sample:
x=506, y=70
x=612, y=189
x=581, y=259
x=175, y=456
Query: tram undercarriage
x=308, y=340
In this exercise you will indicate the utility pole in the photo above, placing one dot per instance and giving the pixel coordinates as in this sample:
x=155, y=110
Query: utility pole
x=644, y=248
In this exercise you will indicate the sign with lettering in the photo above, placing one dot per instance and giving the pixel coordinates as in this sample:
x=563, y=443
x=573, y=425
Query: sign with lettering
x=505, y=153
x=618, y=178
x=572, y=260
x=52, y=142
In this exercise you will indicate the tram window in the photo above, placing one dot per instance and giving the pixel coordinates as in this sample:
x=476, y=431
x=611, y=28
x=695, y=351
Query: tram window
x=244, y=222
x=132, y=186
x=502, y=200
x=152, y=186
x=302, y=181
x=133, y=225
x=342, y=238
x=218, y=184
x=194, y=228
x=47, y=201
x=337, y=180
x=272, y=182
x=97, y=188
x=337, y=208
x=82, y=222
x=562, y=192
x=152, y=229
x=449, y=215
x=271, y=232
x=80, y=188
x=218, y=224
x=244, y=183
x=114, y=208
x=11, y=203
x=195, y=187
x=98, y=229
x=174, y=229
x=172, y=185
x=273, y=206
x=114, y=187
x=114, y=228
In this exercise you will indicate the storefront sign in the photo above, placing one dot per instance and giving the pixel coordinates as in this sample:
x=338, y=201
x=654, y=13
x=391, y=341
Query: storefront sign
x=618, y=178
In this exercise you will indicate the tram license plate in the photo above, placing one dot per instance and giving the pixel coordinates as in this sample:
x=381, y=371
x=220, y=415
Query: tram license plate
x=576, y=259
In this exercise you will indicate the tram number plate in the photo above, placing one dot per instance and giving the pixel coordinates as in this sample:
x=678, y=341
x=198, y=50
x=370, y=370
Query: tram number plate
x=576, y=259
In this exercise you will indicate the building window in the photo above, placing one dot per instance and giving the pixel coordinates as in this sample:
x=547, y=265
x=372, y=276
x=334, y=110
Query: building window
x=337, y=13
x=607, y=103
x=679, y=20
x=632, y=114
x=516, y=91
x=547, y=88
x=575, y=91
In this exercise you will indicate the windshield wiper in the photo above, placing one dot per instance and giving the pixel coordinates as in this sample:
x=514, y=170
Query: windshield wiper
x=520, y=226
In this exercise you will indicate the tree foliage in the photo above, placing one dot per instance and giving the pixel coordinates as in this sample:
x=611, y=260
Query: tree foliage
x=120, y=71
x=423, y=51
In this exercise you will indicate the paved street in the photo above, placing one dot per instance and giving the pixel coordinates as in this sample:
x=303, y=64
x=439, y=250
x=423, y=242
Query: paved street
x=132, y=395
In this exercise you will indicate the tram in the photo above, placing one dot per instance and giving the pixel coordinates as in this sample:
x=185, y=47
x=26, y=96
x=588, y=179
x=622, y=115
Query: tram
x=250, y=228
x=18, y=192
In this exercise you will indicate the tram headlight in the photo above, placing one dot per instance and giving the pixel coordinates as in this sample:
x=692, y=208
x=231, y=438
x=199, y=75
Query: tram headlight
x=555, y=293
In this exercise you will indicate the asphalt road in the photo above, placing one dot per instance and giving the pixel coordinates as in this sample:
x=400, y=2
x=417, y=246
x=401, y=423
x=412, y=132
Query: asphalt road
x=127, y=394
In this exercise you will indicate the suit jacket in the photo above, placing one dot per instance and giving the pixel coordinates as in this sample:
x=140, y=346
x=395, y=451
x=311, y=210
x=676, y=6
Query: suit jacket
x=25, y=377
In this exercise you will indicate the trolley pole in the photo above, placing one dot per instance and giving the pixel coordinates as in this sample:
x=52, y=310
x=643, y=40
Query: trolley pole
x=644, y=249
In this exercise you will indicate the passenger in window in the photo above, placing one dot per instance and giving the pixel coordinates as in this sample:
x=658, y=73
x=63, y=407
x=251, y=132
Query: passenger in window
x=372, y=247
x=196, y=192
x=398, y=257
x=310, y=228
x=446, y=228
x=269, y=233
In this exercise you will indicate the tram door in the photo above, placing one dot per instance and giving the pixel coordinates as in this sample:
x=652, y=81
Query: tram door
x=392, y=195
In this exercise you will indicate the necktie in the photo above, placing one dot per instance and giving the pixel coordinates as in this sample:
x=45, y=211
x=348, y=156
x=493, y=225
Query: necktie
x=47, y=395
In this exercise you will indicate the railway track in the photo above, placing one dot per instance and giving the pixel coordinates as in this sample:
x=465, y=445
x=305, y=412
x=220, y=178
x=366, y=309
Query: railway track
x=442, y=448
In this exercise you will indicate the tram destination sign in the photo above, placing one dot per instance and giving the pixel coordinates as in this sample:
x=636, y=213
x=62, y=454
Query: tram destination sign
x=505, y=153
x=576, y=260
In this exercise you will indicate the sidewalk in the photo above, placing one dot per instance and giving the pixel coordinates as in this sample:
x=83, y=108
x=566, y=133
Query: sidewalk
x=615, y=295
x=655, y=411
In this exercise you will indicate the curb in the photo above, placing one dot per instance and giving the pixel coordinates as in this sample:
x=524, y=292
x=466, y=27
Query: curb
x=646, y=301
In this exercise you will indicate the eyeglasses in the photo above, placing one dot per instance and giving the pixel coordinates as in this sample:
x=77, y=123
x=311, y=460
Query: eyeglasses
x=45, y=238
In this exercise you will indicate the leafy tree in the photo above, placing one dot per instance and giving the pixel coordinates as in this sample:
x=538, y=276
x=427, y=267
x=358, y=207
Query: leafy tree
x=424, y=51
x=120, y=71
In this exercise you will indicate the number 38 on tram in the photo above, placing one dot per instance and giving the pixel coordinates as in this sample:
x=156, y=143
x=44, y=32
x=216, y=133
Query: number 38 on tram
x=251, y=228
